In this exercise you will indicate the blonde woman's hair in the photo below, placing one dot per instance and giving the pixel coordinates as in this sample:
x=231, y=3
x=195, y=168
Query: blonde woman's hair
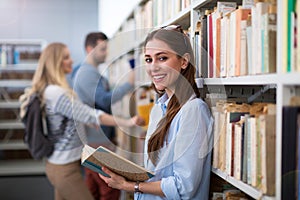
x=49, y=70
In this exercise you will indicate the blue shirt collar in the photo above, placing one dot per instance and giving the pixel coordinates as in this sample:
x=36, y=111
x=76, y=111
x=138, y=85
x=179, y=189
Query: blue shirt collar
x=163, y=102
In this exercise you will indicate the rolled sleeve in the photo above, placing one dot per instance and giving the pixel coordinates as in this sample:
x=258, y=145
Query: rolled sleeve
x=168, y=186
x=98, y=114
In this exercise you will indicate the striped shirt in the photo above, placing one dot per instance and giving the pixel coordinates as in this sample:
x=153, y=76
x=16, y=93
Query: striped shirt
x=65, y=117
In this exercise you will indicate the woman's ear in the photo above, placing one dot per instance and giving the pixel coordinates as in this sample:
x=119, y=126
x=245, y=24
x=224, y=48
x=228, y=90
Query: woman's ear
x=185, y=60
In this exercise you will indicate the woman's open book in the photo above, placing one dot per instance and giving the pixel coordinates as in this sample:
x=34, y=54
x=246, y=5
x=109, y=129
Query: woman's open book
x=94, y=159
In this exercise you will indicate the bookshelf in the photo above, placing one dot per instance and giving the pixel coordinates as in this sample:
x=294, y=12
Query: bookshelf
x=253, y=192
x=276, y=87
x=19, y=59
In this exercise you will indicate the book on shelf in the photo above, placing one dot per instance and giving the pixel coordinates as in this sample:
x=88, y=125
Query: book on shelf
x=238, y=148
x=95, y=159
x=243, y=61
x=185, y=4
x=269, y=34
x=289, y=151
x=233, y=194
x=232, y=118
x=215, y=40
x=259, y=158
x=210, y=55
x=241, y=23
x=298, y=158
x=221, y=63
x=197, y=42
x=218, y=47
x=203, y=69
x=232, y=44
x=290, y=33
x=221, y=163
x=250, y=145
x=216, y=117
x=298, y=37
x=266, y=165
x=257, y=11
x=293, y=42
x=219, y=114
x=249, y=45
x=295, y=101
x=245, y=153
x=284, y=28
x=224, y=44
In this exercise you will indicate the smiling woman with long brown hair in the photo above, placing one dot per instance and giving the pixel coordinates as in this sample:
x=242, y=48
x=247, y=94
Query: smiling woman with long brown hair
x=179, y=137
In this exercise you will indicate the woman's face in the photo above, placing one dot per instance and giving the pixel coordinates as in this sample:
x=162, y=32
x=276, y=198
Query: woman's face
x=67, y=61
x=162, y=65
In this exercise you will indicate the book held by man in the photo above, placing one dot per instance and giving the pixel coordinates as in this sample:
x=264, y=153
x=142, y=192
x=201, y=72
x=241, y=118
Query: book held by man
x=95, y=159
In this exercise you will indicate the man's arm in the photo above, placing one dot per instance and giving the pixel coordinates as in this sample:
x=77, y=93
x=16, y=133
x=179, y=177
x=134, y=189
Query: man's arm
x=104, y=98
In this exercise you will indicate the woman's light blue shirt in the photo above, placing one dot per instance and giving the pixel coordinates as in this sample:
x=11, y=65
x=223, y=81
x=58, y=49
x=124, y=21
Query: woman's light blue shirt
x=185, y=160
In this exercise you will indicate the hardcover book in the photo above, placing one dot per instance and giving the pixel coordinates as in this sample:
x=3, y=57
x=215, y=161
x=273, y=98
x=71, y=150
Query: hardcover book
x=240, y=25
x=289, y=152
x=268, y=153
x=95, y=159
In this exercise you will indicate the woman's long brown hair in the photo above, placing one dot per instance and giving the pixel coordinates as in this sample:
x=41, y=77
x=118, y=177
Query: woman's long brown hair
x=184, y=89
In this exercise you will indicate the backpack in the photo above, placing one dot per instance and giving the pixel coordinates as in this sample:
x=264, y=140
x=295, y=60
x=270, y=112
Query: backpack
x=35, y=136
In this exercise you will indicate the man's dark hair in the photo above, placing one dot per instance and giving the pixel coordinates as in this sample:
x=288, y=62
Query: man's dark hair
x=92, y=38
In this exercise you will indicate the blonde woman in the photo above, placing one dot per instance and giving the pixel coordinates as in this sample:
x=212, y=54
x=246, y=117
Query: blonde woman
x=66, y=116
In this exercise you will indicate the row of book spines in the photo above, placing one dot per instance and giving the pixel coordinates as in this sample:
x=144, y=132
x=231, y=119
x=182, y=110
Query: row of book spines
x=244, y=145
x=165, y=10
x=155, y=12
x=240, y=42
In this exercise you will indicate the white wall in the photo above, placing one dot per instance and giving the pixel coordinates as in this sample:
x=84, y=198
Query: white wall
x=112, y=13
x=66, y=21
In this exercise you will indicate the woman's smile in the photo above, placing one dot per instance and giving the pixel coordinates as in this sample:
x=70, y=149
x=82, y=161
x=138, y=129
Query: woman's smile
x=158, y=78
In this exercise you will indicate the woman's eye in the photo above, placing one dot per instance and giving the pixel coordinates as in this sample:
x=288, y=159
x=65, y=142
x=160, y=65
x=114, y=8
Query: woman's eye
x=163, y=58
x=148, y=60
